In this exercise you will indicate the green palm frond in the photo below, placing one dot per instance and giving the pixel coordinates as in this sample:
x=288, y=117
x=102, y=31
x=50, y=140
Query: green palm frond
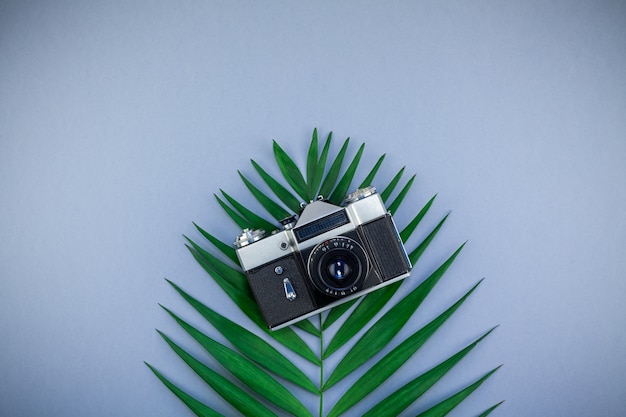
x=253, y=376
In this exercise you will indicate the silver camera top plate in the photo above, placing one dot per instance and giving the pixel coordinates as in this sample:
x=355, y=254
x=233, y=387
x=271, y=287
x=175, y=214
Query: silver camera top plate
x=367, y=207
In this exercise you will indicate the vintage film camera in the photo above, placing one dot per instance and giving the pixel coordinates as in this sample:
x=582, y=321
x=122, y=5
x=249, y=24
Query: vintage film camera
x=330, y=255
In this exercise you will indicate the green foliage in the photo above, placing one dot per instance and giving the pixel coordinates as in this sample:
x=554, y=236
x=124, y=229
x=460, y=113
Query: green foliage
x=253, y=376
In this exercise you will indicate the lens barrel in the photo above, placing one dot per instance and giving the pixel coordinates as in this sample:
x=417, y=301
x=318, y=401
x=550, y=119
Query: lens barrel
x=338, y=266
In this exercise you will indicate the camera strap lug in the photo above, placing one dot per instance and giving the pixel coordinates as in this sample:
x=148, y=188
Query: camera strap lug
x=290, y=293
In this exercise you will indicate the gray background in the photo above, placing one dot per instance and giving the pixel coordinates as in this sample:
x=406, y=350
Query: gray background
x=118, y=120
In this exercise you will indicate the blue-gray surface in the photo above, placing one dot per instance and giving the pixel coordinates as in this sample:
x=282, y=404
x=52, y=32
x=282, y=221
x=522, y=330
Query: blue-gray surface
x=118, y=120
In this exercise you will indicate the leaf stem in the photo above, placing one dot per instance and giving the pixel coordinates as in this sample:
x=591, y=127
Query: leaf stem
x=321, y=366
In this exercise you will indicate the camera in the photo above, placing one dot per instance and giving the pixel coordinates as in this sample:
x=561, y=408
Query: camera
x=328, y=255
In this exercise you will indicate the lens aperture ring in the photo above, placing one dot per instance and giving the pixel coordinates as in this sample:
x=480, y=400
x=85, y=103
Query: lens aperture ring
x=338, y=266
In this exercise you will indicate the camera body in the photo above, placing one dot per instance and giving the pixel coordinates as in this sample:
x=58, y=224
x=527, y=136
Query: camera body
x=330, y=255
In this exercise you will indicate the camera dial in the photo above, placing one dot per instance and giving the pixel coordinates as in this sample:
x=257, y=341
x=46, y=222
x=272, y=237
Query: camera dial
x=249, y=236
x=359, y=194
x=338, y=266
x=289, y=222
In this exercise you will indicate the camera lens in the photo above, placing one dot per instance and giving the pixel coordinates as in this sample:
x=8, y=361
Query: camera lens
x=338, y=266
x=339, y=269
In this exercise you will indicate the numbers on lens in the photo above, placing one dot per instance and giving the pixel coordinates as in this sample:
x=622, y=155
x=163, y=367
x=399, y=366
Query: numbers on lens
x=338, y=266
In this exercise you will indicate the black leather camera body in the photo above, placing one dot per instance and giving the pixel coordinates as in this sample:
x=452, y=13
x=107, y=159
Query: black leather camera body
x=330, y=255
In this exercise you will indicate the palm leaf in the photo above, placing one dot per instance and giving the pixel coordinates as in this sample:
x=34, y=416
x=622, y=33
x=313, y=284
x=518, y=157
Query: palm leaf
x=286, y=336
x=212, y=264
x=311, y=165
x=246, y=371
x=407, y=394
x=314, y=185
x=256, y=221
x=263, y=380
x=277, y=188
x=410, y=228
x=341, y=190
x=290, y=171
x=369, y=306
x=381, y=333
x=336, y=312
x=384, y=368
x=333, y=172
x=194, y=405
x=227, y=250
x=236, y=217
x=251, y=345
x=370, y=177
x=237, y=397
x=308, y=327
x=372, y=303
x=392, y=185
x=235, y=284
x=232, y=283
x=315, y=165
x=450, y=403
x=273, y=208
x=490, y=409
x=416, y=253
x=398, y=200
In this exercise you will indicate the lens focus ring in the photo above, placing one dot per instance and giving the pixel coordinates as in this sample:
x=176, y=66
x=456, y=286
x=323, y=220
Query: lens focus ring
x=338, y=266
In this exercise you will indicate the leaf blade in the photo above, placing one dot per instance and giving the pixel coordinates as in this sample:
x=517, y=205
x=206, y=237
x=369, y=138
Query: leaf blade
x=308, y=327
x=391, y=362
x=236, y=217
x=336, y=312
x=194, y=405
x=321, y=167
x=392, y=185
x=246, y=371
x=233, y=282
x=227, y=250
x=369, y=306
x=277, y=188
x=341, y=189
x=275, y=210
x=234, y=395
x=415, y=254
x=367, y=181
x=252, y=218
x=235, y=286
x=451, y=402
x=381, y=333
x=399, y=400
x=250, y=344
x=333, y=172
x=490, y=409
x=398, y=200
x=290, y=171
x=406, y=233
x=311, y=166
